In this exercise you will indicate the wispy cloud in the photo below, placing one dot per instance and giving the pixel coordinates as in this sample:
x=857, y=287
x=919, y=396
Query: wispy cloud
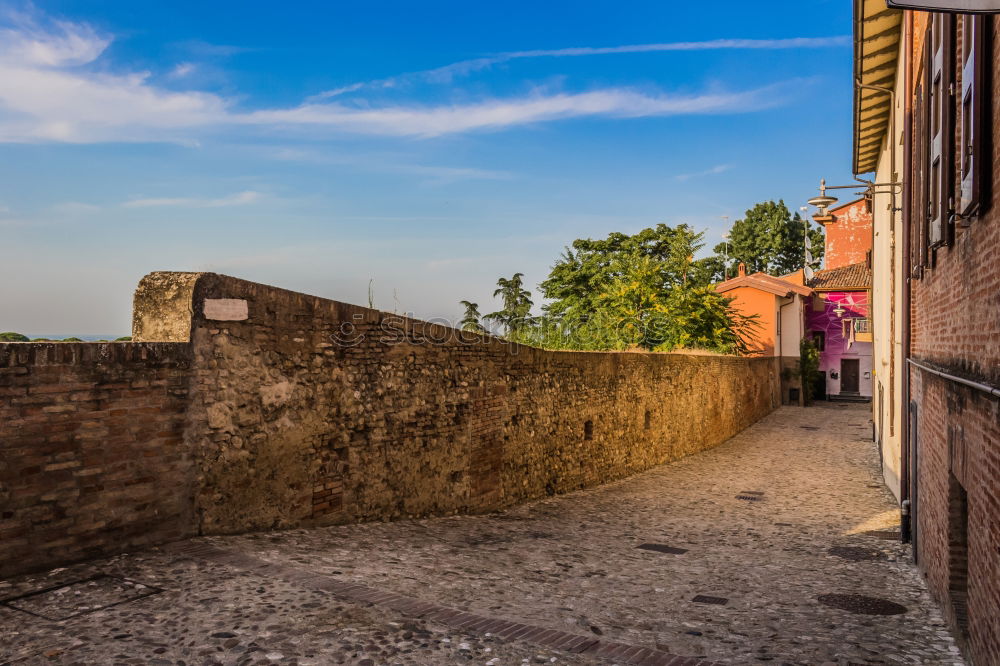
x=392, y=163
x=74, y=208
x=447, y=73
x=182, y=69
x=47, y=93
x=430, y=121
x=719, y=168
x=238, y=199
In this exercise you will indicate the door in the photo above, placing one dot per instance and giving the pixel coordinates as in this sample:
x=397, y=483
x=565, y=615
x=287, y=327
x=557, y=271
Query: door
x=849, y=375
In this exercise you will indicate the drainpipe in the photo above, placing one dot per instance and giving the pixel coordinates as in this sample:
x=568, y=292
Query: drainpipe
x=906, y=528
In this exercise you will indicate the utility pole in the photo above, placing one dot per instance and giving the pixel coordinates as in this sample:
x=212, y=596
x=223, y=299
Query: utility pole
x=725, y=252
x=806, y=255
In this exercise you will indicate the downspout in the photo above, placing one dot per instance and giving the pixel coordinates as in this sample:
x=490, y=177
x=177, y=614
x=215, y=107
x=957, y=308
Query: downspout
x=906, y=528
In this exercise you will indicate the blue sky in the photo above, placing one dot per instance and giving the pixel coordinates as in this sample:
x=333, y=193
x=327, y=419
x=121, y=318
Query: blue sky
x=432, y=147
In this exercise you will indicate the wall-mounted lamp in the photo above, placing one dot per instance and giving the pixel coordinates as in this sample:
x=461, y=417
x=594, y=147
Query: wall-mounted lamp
x=839, y=310
x=823, y=202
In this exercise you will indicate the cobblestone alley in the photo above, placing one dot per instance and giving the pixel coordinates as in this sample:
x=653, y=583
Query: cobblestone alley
x=733, y=556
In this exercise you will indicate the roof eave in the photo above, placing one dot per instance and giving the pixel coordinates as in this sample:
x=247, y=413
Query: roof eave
x=879, y=42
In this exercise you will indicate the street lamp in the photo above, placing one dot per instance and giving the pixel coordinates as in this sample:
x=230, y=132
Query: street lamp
x=725, y=254
x=822, y=202
x=807, y=258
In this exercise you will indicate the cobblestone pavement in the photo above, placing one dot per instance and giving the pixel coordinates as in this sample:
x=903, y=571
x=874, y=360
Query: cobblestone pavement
x=558, y=581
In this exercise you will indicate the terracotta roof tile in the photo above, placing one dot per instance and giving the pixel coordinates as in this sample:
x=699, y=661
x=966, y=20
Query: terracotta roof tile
x=853, y=276
x=764, y=282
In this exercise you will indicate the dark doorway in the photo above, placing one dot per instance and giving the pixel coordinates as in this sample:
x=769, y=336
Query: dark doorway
x=819, y=386
x=958, y=554
x=849, y=374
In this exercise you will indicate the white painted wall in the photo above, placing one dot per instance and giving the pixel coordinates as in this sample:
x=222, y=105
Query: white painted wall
x=888, y=275
x=792, y=322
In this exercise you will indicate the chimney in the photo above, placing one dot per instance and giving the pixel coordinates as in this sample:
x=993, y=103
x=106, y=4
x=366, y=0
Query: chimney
x=742, y=269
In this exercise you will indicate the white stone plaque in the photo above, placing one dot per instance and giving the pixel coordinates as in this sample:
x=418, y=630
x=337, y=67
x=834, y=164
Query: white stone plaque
x=226, y=309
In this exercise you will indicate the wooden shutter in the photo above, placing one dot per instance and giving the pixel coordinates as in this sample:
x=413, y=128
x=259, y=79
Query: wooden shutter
x=925, y=154
x=939, y=132
x=973, y=89
x=918, y=211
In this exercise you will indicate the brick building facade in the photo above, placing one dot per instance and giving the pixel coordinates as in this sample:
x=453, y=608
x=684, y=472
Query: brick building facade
x=927, y=125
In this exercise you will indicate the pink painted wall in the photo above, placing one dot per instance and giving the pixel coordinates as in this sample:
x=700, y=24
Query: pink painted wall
x=839, y=347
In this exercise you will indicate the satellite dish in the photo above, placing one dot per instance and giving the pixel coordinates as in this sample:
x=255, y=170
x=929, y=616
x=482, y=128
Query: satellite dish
x=951, y=6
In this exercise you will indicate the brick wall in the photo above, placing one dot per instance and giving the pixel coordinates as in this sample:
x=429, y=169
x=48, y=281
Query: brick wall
x=958, y=431
x=288, y=410
x=955, y=324
x=92, y=459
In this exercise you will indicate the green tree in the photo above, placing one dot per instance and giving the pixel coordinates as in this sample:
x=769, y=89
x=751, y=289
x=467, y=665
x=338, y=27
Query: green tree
x=702, y=318
x=471, y=317
x=642, y=291
x=772, y=240
x=516, y=311
x=11, y=336
x=808, y=367
x=584, y=270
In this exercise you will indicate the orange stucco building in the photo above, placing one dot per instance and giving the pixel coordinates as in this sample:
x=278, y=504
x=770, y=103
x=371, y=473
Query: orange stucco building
x=779, y=304
x=848, y=234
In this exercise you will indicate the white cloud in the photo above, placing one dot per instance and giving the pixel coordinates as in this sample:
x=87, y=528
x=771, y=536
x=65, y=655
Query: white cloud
x=429, y=121
x=182, y=69
x=447, y=73
x=75, y=208
x=391, y=163
x=47, y=93
x=59, y=44
x=709, y=45
x=719, y=168
x=239, y=199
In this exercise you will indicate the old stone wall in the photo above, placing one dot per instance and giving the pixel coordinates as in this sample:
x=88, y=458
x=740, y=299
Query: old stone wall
x=286, y=410
x=92, y=457
x=306, y=410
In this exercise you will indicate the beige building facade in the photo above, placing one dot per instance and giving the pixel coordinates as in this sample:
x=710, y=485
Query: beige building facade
x=888, y=279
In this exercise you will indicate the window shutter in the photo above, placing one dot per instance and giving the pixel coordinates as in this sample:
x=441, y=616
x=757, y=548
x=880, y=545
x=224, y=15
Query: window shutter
x=927, y=104
x=939, y=131
x=918, y=210
x=973, y=53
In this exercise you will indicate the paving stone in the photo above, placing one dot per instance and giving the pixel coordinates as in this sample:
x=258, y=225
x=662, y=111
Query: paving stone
x=393, y=593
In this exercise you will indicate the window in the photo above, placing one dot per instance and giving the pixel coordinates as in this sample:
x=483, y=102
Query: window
x=939, y=70
x=973, y=55
x=819, y=339
x=588, y=430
